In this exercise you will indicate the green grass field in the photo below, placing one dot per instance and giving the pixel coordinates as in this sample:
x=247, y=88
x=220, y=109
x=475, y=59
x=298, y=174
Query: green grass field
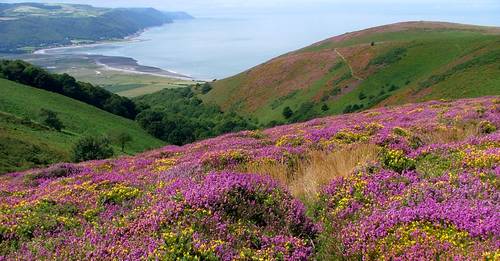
x=127, y=84
x=24, y=143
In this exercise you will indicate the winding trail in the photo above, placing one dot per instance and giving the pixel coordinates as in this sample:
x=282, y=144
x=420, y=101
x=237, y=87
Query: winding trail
x=349, y=65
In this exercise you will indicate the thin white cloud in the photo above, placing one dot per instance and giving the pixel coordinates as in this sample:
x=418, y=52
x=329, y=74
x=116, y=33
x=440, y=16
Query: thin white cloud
x=207, y=7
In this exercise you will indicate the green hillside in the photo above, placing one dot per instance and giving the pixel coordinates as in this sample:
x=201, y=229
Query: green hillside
x=24, y=143
x=387, y=65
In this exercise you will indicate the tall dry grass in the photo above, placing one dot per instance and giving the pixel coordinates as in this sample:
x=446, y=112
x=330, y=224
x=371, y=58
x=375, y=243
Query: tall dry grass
x=455, y=133
x=318, y=168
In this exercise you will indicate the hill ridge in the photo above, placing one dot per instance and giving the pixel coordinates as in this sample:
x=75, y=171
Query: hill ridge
x=391, y=60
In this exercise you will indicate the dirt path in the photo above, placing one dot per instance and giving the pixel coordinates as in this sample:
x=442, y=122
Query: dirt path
x=350, y=68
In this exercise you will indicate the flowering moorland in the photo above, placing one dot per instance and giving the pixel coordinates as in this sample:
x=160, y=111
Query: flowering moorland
x=430, y=192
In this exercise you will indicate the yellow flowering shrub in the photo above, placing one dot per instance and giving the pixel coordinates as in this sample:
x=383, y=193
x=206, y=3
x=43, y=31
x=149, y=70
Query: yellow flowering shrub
x=119, y=194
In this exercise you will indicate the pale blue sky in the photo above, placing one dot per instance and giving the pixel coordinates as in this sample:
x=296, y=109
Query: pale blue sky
x=485, y=12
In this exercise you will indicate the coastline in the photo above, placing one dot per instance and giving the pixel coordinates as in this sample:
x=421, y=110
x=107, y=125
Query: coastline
x=47, y=51
x=133, y=67
x=109, y=63
x=127, y=39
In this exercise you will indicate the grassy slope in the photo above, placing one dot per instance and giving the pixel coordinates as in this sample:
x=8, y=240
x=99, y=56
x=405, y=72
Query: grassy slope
x=430, y=49
x=25, y=144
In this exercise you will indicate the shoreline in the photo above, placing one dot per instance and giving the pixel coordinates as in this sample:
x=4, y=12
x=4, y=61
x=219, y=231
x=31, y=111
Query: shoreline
x=127, y=39
x=127, y=65
x=47, y=51
x=170, y=75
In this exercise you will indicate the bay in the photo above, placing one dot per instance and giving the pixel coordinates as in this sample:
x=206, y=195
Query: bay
x=209, y=48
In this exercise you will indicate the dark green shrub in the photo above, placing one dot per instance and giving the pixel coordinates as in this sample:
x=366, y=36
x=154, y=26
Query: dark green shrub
x=487, y=127
x=50, y=119
x=287, y=112
x=123, y=138
x=92, y=148
x=389, y=57
x=206, y=88
x=353, y=108
x=393, y=88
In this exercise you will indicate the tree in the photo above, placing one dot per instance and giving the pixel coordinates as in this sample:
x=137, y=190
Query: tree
x=353, y=108
x=206, y=88
x=287, y=112
x=123, y=138
x=393, y=88
x=92, y=148
x=151, y=121
x=50, y=119
x=305, y=112
x=325, y=107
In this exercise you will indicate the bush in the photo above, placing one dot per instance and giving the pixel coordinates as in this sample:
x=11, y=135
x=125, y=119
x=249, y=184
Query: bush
x=305, y=112
x=396, y=160
x=123, y=138
x=393, y=88
x=336, y=91
x=50, y=119
x=390, y=57
x=486, y=127
x=353, y=108
x=206, y=88
x=287, y=112
x=92, y=148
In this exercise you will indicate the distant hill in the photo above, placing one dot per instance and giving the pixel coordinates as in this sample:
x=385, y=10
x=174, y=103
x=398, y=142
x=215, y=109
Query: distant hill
x=26, y=26
x=178, y=15
x=25, y=143
x=392, y=64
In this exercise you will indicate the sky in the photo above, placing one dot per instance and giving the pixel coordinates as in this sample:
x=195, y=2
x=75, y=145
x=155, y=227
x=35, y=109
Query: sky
x=484, y=12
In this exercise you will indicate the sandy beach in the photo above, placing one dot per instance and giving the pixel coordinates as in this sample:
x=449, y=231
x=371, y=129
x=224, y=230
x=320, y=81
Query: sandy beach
x=137, y=70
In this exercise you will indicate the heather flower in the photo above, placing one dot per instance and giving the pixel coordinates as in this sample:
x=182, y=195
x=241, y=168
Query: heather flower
x=427, y=196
